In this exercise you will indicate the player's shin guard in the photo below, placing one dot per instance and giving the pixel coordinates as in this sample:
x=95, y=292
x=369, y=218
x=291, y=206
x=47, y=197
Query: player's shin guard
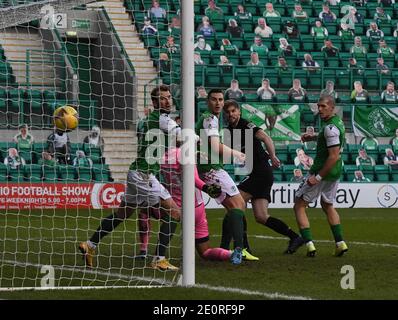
x=306, y=234
x=236, y=226
x=245, y=239
x=337, y=232
x=280, y=227
x=166, y=232
x=107, y=225
x=226, y=233
x=217, y=254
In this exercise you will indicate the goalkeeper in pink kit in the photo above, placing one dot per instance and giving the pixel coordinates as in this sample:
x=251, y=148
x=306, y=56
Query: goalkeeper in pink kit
x=172, y=173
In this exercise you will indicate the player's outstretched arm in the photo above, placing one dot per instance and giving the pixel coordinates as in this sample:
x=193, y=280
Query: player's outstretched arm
x=269, y=145
x=224, y=150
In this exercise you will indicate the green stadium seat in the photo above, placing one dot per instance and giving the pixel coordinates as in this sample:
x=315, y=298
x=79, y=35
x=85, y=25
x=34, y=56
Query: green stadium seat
x=3, y=172
x=285, y=79
x=202, y=106
x=244, y=57
x=307, y=42
x=329, y=74
x=4, y=146
x=303, y=27
x=273, y=76
x=243, y=75
x=371, y=79
x=67, y=173
x=278, y=174
x=256, y=76
x=394, y=174
x=50, y=173
x=291, y=149
x=84, y=174
x=101, y=172
x=345, y=156
x=200, y=72
x=349, y=171
x=74, y=147
x=282, y=98
x=304, y=77
x=275, y=24
x=331, y=27
x=288, y=170
x=38, y=148
x=251, y=97
x=353, y=149
x=382, y=149
x=27, y=155
x=213, y=76
x=34, y=172
x=16, y=175
x=382, y=173
x=282, y=153
x=375, y=100
x=307, y=116
x=343, y=79
x=313, y=98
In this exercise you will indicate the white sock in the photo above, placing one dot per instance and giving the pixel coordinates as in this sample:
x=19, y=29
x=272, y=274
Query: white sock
x=339, y=243
x=91, y=245
x=309, y=243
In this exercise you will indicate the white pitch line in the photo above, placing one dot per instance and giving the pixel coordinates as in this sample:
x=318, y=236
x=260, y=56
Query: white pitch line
x=274, y=295
x=359, y=243
x=269, y=295
x=89, y=271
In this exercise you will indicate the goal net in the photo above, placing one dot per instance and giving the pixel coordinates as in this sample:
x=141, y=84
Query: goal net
x=103, y=59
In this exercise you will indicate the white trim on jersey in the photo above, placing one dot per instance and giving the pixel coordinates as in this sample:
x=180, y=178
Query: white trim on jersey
x=210, y=124
x=332, y=135
x=168, y=125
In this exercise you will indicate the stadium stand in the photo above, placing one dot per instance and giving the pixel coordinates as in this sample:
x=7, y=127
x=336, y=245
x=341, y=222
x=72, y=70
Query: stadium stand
x=334, y=63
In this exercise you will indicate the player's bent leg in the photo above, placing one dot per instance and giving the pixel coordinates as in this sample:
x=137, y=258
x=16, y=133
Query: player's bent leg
x=212, y=254
x=335, y=226
x=107, y=225
x=144, y=227
x=260, y=210
x=202, y=243
x=166, y=231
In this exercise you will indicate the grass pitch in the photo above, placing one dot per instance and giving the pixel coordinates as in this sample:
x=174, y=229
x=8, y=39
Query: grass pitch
x=29, y=240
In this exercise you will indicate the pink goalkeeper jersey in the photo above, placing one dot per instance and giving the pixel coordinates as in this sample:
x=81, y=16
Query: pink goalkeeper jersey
x=171, y=171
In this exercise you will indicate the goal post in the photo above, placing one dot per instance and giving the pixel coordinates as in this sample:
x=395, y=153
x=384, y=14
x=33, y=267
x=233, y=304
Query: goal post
x=188, y=101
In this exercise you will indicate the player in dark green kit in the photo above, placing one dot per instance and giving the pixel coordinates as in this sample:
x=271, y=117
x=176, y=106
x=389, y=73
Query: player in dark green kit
x=323, y=178
x=143, y=190
x=211, y=169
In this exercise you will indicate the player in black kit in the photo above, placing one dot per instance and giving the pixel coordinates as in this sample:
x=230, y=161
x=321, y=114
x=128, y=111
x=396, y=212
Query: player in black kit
x=257, y=185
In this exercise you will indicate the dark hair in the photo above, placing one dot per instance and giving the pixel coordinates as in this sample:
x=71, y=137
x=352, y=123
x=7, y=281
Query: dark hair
x=231, y=103
x=214, y=91
x=155, y=93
